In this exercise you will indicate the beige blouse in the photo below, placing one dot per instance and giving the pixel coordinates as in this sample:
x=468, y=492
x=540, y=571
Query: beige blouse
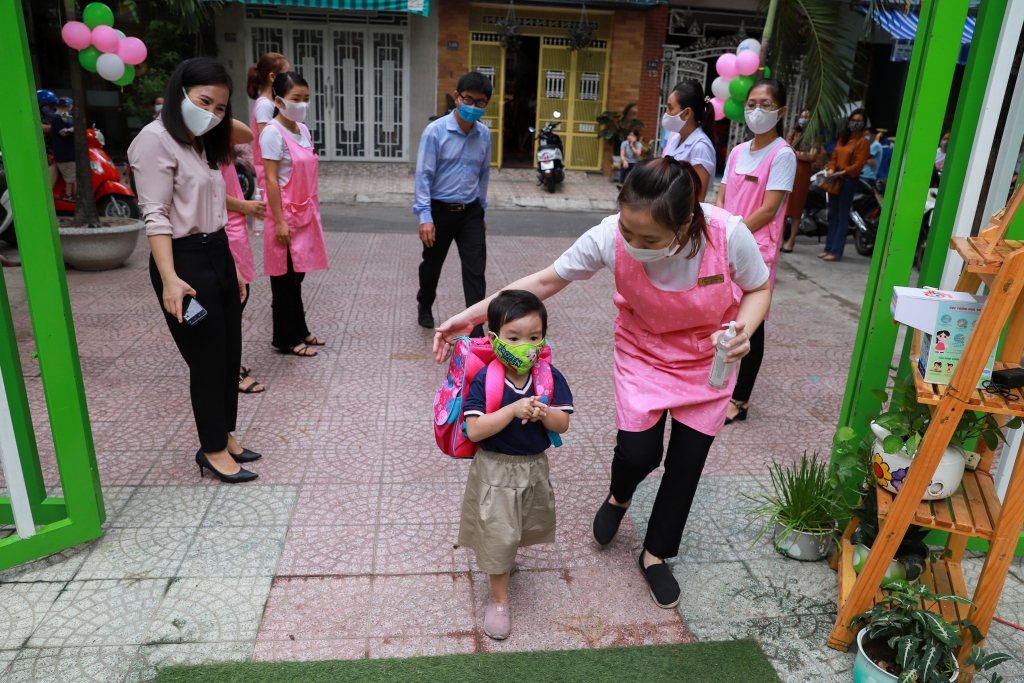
x=179, y=194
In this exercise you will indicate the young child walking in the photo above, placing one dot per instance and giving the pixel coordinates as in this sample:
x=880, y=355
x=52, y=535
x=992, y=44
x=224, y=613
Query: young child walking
x=509, y=502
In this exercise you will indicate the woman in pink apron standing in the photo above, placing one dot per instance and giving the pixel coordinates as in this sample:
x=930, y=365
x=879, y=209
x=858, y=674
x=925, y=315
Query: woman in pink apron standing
x=258, y=85
x=758, y=178
x=296, y=244
x=682, y=270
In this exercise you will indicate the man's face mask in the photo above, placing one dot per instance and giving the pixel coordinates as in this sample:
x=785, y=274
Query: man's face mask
x=520, y=357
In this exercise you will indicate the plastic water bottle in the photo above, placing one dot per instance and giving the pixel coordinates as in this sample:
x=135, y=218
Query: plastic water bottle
x=720, y=369
x=257, y=223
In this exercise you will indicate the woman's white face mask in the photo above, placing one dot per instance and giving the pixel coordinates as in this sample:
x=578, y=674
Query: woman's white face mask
x=649, y=255
x=199, y=121
x=293, y=111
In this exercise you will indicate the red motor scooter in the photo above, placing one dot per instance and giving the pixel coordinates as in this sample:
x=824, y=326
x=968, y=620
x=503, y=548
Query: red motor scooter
x=114, y=199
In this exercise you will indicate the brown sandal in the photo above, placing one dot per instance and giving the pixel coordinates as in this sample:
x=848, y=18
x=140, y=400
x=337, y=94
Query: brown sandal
x=313, y=340
x=250, y=389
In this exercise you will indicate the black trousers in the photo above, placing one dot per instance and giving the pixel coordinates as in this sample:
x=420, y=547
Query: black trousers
x=466, y=229
x=212, y=348
x=637, y=454
x=749, y=367
x=288, y=314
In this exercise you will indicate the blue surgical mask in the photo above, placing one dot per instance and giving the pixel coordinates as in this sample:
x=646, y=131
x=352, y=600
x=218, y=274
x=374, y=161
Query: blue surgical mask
x=470, y=113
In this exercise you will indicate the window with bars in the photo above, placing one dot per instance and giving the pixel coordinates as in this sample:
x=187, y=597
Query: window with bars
x=554, y=87
x=489, y=72
x=590, y=86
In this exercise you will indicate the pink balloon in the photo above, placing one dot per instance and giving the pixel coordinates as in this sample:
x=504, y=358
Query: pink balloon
x=719, y=104
x=726, y=66
x=76, y=35
x=747, y=62
x=105, y=39
x=132, y=51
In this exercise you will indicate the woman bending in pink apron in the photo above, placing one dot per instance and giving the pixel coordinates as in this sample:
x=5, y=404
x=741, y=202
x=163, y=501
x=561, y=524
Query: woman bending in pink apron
x=758, y=178
x=296, y=244
x=682, y=270
x=259, y=86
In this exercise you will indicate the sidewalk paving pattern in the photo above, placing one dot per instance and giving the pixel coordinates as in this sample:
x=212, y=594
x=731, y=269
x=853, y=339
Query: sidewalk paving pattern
x=345, y=546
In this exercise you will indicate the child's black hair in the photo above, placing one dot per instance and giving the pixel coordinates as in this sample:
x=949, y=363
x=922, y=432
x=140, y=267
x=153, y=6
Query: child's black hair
x=945, y=332
x=513, y=304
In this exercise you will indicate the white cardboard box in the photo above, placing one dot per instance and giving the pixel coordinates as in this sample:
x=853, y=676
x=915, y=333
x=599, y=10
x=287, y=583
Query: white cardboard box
x=919, y=308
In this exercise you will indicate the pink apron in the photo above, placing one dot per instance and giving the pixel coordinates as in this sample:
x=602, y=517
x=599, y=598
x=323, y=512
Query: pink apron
x=237, y=228
x=663, y=347
x=300, y=204
x=745, y=195
x=257, y=155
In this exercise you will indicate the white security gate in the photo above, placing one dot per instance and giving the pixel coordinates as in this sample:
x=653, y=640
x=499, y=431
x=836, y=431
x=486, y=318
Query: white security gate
x=359, y=89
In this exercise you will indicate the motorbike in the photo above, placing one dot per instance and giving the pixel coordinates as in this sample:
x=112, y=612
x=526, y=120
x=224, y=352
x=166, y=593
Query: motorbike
x=113, y=198
x=550, y=157
x=864, y=213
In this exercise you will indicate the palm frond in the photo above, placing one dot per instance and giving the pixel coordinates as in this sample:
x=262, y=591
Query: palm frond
x=194, y=14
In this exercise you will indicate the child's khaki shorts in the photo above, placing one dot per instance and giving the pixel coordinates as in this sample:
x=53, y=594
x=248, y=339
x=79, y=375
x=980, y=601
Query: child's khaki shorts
x=508, y=504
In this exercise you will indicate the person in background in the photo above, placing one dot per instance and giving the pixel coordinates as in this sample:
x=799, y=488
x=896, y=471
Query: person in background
x=259, y=86
x=296, y=244
x=871, y=166
x=629, y=151
x=181, y=194
x=802, y=182
x=62, y=130
x=848, y=158
x=158, y=105
x=691, y=119
x=758, y=177
x=47, y=100
x=940, y=153
x=453, y=168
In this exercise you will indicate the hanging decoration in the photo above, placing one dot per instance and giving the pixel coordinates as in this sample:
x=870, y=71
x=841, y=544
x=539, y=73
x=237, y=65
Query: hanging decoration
x=580, y=36
x=102, y=48
x=508, y=29
x=735, y=78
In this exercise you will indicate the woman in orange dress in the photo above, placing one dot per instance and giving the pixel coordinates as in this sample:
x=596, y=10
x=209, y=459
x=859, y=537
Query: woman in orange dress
x=802, y=184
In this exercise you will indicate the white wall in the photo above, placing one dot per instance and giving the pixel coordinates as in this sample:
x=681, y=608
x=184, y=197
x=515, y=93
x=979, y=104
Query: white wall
x=423, y=75
x=233, y=55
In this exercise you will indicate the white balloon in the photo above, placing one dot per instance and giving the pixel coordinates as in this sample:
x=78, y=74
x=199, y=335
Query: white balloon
x=750, y=44
x=720, y=87
x=120, y=34
x=110, y=66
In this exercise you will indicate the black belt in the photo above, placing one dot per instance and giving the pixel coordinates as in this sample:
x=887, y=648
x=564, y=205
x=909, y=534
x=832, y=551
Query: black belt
x=454, y=208
x=202, y=238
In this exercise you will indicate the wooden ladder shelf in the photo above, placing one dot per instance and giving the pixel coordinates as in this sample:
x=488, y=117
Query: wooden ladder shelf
x=974, y=510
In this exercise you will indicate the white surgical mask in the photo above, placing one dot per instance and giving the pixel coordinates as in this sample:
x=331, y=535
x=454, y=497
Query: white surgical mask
x=293, y=111
x=802, y=123
x=673, y=124
x=761, y=121
x=648, y=255
x=158, y=108
x=198, y=120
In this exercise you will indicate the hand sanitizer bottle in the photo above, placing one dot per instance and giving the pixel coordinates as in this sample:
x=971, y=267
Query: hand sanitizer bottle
x=719, y=368
x=257, y=223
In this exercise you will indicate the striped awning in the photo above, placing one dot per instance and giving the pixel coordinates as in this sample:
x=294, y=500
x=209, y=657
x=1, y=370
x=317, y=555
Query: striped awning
x=904, y=26
x=421, y=7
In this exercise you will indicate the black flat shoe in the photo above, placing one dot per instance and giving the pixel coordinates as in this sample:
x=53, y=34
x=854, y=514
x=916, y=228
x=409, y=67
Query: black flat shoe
x=663, y=586
x=786, y=251
x=742, y=415
x=246, y=456
x=425, y=318
x=606, y=522
x=239, y=477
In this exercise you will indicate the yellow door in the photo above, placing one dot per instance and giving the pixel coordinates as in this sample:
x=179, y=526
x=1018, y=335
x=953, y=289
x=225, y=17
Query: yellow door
x=573, y=84
x=488, y=57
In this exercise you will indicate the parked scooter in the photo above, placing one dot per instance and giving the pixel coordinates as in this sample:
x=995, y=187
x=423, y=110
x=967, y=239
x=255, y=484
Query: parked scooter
x=866, y=210
x=113, y=198
x=550, y=156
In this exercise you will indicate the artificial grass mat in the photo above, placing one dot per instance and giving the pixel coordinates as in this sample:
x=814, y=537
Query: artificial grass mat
x=733, y=661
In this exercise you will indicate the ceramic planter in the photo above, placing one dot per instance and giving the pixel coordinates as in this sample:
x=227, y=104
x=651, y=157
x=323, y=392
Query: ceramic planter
x=805, y=546
x=896, y=569
x=866, y=671
x=890, y=469
x=99, y=248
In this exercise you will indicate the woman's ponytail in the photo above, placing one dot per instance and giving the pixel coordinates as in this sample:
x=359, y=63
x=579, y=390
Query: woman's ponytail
x=690, y=95
x=259, y=73
x=669, y=191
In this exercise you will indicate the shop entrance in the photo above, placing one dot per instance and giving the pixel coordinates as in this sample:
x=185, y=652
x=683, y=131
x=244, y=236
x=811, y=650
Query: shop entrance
x=520, y=102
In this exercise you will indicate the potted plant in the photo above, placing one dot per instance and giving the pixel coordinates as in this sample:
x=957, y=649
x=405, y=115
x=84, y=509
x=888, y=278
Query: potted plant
x=906, y=643
x=615, y=126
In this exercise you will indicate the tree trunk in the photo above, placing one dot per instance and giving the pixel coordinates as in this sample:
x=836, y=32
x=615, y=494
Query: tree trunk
x=85, y=208
x=30, y=33
x=766, y=36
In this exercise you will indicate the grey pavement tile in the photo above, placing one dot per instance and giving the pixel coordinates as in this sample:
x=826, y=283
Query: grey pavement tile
x=114, y=500
x=22, y=607
x=702, y=540
x=234, y=551
x=106, y=664
x=252, y=506
x=138, y=552
x=62, y=566
x=97, y=613
x=166, y=506
x=151, y=658
x=6, y=658
x=210, y=610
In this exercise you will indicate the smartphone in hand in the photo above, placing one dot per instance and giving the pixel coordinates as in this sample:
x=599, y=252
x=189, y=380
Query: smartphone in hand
x=194, y=311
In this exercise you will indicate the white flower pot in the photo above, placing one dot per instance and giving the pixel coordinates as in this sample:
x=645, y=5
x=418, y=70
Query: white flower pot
x=890, y=469
x=99, y=248
x=866, y=671
x=806, y=546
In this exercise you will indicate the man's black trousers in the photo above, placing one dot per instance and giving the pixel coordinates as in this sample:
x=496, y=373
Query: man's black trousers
x=466, y=229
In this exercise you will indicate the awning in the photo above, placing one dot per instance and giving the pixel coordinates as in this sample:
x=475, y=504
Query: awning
x=421, y=7
x=904, y=26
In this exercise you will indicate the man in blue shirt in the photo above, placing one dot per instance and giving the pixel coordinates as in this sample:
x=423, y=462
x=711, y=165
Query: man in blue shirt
x=874, y=162
x=452, y=170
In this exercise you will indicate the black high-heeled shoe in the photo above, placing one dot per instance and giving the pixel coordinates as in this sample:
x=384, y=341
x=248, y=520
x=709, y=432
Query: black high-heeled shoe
x=741, y=415
x=246, y=456
x=239, y=477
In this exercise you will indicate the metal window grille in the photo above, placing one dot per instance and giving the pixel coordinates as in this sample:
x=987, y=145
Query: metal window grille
x=266, y=40
x=489, y=72
x=388, y=54
x=590, y=85
x=308, y=47
x=349, y=99
x=554, y=87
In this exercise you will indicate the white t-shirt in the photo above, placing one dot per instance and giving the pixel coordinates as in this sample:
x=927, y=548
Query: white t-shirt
x=263, y=110
x=273, y=147
x=595, y=250
x=782, y=173
x=696, y=149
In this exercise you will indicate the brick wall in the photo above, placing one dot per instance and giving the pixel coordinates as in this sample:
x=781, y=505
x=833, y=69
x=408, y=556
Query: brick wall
x=453, y=26
x=625, y=77
x=655, y=31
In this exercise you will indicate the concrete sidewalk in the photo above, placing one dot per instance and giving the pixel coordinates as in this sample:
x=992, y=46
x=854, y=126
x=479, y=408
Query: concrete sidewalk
x=510, y=188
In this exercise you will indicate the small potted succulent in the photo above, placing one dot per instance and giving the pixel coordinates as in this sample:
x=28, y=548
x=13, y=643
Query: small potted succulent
x=906, y=643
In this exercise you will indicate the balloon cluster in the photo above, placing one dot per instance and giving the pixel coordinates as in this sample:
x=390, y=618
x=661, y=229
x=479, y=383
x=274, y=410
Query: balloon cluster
x=102, y=48
x=735, y=79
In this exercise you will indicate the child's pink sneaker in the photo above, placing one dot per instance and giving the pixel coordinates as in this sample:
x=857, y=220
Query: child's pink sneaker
x=497, y=624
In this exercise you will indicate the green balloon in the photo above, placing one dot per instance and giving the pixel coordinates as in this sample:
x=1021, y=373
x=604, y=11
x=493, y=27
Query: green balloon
x=129, y=75
x=767, y=72
x=87, y=58
x=740, y=86
x=97, y=14
x=734, y=110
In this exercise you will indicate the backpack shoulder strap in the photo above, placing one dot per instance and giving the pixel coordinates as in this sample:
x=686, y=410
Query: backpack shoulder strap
x=494, y=385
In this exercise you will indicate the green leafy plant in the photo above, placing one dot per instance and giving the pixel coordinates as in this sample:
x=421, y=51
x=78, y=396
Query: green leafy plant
x=449, y=103
x=615, y=126
x=923, y=642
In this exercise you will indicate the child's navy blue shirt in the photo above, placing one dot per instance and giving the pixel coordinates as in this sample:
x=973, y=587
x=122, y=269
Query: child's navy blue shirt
x=517, y=438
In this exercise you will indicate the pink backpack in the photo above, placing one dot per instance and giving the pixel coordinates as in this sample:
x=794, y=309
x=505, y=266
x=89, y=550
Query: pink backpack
x=470, y=356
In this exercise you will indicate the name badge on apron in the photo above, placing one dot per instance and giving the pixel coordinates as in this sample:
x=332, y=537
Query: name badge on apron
x=711, y=280
x=751, y=178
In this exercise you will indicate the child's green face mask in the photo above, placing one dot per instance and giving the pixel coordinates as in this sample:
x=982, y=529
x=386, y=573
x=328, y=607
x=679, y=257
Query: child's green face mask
x=520, y=357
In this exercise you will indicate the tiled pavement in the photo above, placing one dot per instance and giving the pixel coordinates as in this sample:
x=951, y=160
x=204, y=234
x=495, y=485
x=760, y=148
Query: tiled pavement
x=344, y=547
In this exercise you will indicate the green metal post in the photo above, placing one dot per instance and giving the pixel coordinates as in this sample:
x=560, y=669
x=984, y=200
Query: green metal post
x=924, y=104
x=50, y=311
